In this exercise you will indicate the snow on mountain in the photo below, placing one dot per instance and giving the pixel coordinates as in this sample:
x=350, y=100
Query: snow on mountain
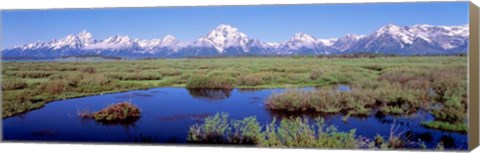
x=223, y=37
x=114, y=43
x=71, y=41
x=327, y=42
x=302, y=43
x=417, y=39
x=228, y=40
x=154, y=46
x=343, y=43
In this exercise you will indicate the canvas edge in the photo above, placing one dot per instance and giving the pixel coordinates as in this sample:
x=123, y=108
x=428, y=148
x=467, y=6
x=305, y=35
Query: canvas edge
x=473, y=78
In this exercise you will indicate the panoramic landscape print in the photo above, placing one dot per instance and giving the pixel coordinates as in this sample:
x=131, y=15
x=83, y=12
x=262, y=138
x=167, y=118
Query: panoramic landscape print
x=326, y=76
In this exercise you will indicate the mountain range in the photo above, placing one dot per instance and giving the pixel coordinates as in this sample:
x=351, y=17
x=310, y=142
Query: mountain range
x=226, y=40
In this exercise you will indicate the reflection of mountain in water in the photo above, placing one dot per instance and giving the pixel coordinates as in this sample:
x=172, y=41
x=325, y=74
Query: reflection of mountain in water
x=210, y=94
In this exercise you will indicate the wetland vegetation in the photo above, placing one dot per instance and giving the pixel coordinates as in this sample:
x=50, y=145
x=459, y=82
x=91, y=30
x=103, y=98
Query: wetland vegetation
x=390, y=85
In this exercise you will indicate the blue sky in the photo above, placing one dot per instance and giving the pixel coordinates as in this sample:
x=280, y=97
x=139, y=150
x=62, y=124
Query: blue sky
x=271, y=23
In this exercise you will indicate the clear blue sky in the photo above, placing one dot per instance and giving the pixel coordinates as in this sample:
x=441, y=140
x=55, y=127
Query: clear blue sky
x=271, y=23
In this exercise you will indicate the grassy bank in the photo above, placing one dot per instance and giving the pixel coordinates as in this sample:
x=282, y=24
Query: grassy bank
x=396, y=85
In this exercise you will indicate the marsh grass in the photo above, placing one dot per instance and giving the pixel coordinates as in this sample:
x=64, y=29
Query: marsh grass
x=326, y=100
x=298, y=132
x=290, y=132
x=114, y=113
x=401, y=84
x=446, y=126
x=13, y=84
x=209, y=82
x=218, y=129
x=33, y=74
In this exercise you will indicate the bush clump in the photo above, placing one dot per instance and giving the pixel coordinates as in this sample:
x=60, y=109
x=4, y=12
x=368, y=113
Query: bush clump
x=209, y=82
x=315, y=74
x=297, y=132
x=13, y=84
x=250, y=80
x=53, y=87
x=293, y=132
x=33, y=74
x=116, y=112
x=460, y=127
x=89, y=69
x=137, y=76
x=328, y=100
x=219, y=130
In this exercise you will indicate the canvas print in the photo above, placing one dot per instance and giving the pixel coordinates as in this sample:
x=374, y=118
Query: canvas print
x=327, y=76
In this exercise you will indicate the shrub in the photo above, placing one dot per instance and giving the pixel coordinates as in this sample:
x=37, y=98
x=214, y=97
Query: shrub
x=170, y=72
x=53, y=87
x=246, y=131
x=448, y=79
x=89, y=69
x=13, y=84
x=209, y=82
x=250, y=80
x=219, y=130
x=292, y=101
x=137, y=76
x=297, y=132
x=96, y=79
x=328, y=100
x=315, y=74
x=407, y=77
x=117, y=112
x=459, y=127
x=374, y=67
x=213, y=130
x=33, y=74
x=293, y=132
x=396, y=99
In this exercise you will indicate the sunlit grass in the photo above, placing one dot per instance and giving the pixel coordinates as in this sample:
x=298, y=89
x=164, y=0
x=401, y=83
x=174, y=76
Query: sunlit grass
x=399, y=85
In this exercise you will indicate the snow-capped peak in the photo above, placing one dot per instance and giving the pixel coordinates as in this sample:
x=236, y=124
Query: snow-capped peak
x=327, y=42
x=416, y=39
x=85, y=36
x=302, y=37
x=225, y=28
x=389, y=29
x=224, y=36
x=353, y=36
x=168, y=39
x=118, y=39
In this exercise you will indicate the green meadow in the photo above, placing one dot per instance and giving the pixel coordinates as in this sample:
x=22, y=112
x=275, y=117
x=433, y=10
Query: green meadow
x=391, y=85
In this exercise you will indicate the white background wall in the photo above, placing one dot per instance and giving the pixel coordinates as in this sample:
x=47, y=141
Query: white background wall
x=87, y=148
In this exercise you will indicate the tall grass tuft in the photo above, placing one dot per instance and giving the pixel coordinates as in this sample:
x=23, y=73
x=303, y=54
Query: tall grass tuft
x=117, y=112
x=209, y=82
x=293, y=132
x=13, y=84
x=218, y=129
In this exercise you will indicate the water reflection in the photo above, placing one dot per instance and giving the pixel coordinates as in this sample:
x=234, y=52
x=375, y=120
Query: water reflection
x=145, y=139
x=127, y=123
x=280, y=114
x=447, y=141
x=210, y=94
x=177, y=117
x=134, y=95
x=249, y=89
x=168, y=113
x=45, y=132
